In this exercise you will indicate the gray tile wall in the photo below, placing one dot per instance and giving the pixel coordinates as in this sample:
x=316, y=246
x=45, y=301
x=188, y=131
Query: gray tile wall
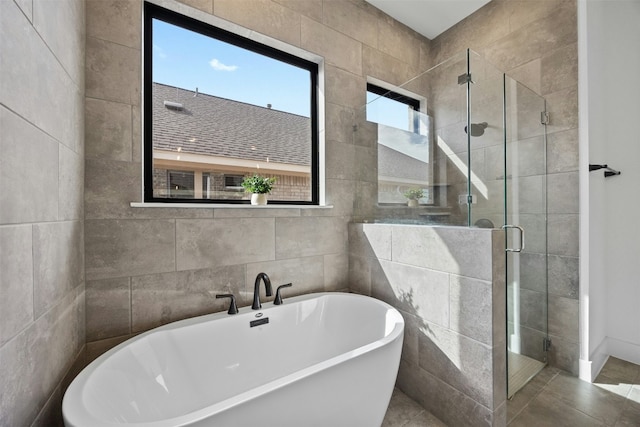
x=130, y=290
x=535, y=42
x=448, y=283
x=42, y=293
x=146, y=267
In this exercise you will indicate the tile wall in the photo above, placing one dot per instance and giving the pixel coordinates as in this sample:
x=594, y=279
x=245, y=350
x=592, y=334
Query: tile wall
x=448, y=283
x=42, y=327
x=146, y=267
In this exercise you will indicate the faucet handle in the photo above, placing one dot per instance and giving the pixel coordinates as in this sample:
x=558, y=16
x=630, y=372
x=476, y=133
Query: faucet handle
x=233, y=308
x=278, y=300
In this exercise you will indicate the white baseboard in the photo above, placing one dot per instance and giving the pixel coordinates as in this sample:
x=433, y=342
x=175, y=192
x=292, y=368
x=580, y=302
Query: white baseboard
x=585, y=370
x=589, y=369
x=624, y=350
x=597, y=360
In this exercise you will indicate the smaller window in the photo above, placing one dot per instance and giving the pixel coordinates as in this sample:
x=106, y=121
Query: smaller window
x=404, y=145
x=233, y=182
x=390, y=108
x=180, y=185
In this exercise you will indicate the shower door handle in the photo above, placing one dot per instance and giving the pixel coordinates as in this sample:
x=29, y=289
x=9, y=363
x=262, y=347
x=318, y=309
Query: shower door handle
x=504, y=227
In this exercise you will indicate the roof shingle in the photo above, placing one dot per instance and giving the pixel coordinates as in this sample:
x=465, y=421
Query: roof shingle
x=216, y=126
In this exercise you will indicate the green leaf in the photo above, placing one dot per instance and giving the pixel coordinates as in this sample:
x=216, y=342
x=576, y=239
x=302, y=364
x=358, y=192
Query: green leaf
x=258, y=184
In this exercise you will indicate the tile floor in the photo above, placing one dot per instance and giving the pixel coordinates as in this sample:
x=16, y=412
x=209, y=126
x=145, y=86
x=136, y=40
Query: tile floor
x=406, y=412
x=553, y=398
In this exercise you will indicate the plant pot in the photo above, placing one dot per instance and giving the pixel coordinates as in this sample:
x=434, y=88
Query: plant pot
x=258, y=199
x=412, y=203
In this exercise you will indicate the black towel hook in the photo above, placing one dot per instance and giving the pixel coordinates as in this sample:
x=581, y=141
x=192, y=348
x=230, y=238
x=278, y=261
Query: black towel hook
x=607, y=173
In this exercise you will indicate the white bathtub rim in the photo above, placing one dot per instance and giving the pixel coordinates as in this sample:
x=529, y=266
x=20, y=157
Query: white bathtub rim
x=75, y=392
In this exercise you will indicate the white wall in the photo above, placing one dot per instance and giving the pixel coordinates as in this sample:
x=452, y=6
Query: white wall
x=610, y=125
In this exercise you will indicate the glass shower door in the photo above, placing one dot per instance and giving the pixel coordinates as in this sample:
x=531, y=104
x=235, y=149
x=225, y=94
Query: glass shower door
x=525, y=222
x=506, y=142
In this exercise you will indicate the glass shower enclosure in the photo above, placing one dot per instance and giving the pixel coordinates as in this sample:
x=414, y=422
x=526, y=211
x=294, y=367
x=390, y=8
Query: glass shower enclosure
x=468, y=143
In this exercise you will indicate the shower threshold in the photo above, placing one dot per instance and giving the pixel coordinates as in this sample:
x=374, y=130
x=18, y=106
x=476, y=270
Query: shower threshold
x=521, y=370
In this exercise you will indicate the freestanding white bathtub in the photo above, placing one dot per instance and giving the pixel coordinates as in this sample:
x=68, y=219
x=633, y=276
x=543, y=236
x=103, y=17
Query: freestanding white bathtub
x=325, y=360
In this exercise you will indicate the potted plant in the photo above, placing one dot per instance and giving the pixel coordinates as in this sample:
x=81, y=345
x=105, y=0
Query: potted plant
x=413, y=194
x=259, y=187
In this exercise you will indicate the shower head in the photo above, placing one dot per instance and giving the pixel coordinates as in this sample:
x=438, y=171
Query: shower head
x=477, y=129
x=484, y=223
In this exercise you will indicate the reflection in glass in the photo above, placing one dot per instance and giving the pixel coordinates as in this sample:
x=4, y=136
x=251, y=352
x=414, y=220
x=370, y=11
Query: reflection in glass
x=404, y=145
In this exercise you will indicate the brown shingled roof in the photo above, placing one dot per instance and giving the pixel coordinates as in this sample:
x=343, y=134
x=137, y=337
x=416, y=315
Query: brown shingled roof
x=216, y=126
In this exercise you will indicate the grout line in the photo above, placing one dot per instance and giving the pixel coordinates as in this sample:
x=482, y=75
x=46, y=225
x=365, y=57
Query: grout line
x=42, y=38
x=517, y=414
x=597, y=420
x=415, y=418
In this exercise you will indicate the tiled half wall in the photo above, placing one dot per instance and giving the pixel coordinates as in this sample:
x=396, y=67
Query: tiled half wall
x=448, y=283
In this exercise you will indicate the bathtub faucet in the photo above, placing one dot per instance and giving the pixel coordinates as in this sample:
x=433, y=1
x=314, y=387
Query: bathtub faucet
x=256, y=290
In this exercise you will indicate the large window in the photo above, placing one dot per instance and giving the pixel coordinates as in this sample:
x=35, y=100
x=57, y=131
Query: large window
x=404, y=148
x=219, y=107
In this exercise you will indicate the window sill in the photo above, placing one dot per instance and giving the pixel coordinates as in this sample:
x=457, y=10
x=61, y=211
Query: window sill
x=223, y=206
x=404, y=205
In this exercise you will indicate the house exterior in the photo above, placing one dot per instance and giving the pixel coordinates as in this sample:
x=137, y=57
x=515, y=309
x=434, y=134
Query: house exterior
x=204, y=145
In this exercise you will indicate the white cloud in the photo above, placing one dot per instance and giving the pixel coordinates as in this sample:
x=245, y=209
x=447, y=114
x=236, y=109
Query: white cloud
x=157, y=49
x=219, y=66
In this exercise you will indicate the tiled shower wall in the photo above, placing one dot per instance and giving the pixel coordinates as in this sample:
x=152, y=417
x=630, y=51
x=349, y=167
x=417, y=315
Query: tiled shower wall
x=149, y=266
x=448, y=283
x=41, y=229
x=535, y=42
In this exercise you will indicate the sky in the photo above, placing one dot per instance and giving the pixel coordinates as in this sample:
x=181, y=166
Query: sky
x=190, y=60
x=387, y=111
